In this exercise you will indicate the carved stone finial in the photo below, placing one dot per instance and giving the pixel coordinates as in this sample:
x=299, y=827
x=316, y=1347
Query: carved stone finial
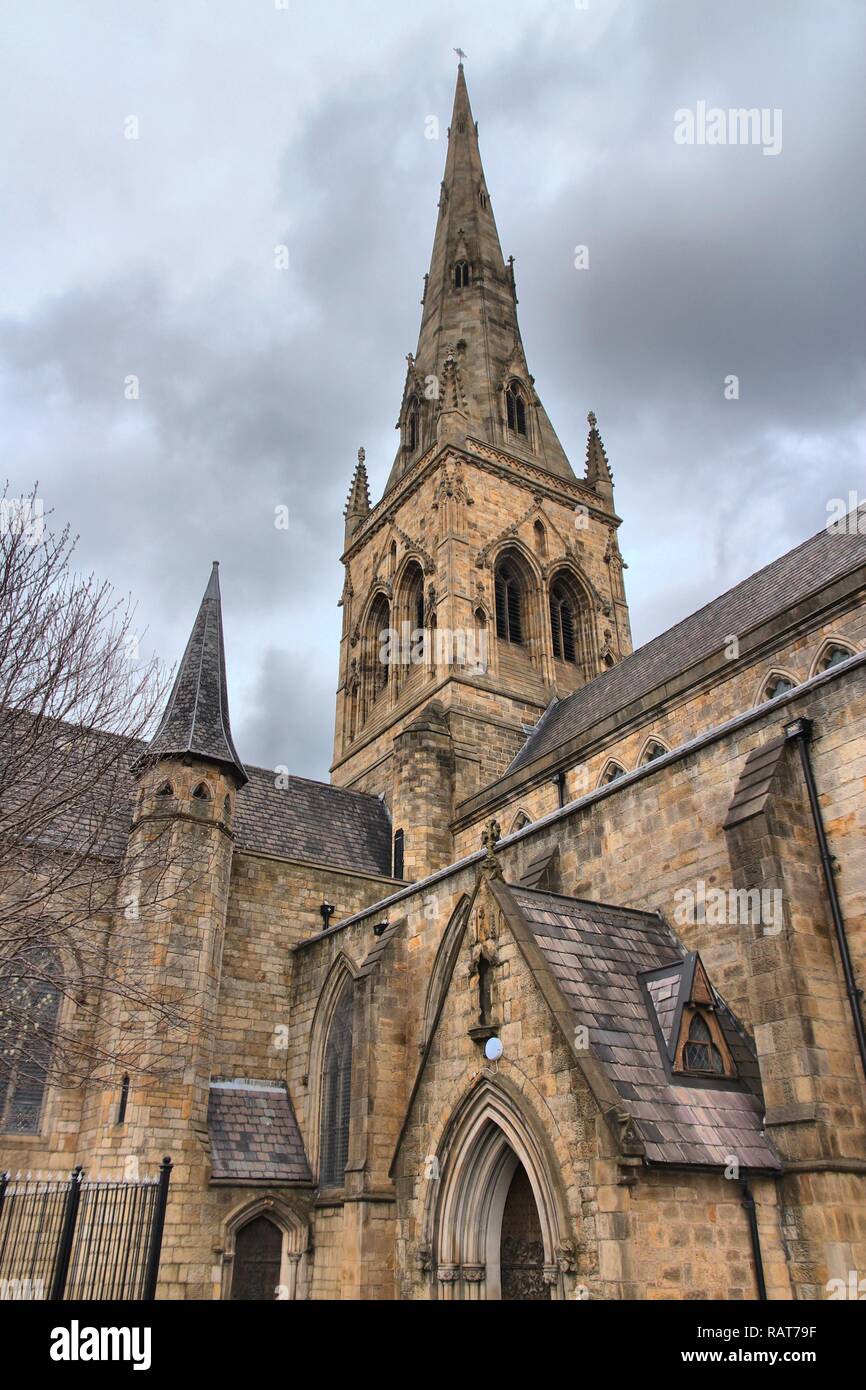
x=491, y=835
x=362, y=454
x=593, y=419
x=490, y=864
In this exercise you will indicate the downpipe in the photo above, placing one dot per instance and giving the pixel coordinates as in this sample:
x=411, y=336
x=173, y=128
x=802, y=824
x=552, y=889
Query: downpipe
x=800, y=732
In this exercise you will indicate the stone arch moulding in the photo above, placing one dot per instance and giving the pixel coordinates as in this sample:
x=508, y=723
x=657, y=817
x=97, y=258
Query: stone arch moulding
x=611, y=767
x=379, y=590
x=773, y=673
x=296, y=1252
x=488, y=554
x=515, y=552
x=652, y=741
x=828, y=642
x=567, y=573
x=489, y=1134
x=443, y=966
x=342, y=973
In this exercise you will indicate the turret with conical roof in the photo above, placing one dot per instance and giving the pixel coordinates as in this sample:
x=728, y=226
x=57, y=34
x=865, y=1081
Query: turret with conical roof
x=170, y=923
x=469, y=320
x=196, y=719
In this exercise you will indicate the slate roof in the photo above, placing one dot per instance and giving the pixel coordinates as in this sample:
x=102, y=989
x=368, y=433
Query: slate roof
x=313, y=820
x=599, y=955
x=254, y=1135
x=768, y=592
x=306, y=820
x=196, y=718
x=664, y=993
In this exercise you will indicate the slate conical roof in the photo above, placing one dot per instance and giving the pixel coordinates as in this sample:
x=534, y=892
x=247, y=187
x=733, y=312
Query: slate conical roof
x=196, y=718
x=475, y=324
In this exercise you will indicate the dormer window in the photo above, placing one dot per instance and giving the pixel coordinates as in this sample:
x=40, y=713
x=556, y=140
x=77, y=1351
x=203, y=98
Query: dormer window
x=689, y=1015
x=515, y=408
x=461, y=275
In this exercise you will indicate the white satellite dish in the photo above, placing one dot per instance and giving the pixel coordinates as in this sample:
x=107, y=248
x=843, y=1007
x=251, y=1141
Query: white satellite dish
x=493, y=1049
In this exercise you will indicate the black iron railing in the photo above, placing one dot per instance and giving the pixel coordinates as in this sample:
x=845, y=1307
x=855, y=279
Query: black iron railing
x=84, y=1238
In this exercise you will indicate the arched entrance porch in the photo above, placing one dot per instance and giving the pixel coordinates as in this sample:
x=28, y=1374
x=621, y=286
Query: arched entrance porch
x=496, y=1222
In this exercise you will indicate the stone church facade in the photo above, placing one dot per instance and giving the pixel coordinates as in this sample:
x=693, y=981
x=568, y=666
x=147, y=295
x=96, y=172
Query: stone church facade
x=554, y=992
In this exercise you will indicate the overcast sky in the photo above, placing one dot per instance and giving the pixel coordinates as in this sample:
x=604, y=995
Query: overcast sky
x=260, y=125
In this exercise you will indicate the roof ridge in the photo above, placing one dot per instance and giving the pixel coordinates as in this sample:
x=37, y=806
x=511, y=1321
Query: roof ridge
x=648, y=652
x=589, y=902
x=317, y=782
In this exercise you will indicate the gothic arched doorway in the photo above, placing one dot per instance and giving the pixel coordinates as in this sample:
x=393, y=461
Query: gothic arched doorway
x=495, y=1227
x=521, y=1244
x=257, y=1260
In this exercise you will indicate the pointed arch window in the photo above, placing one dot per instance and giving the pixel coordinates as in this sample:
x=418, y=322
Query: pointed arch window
x=699, y=1050
x=413, y=421
x=612, y=773
x=379, y=648
x=257, y=1260
x=414, y=611
x=515, y=408
x=563, y=623
x=509, y=603
x=461, y=275
x=832, y=655
x=336, y=1094
x=653, y=750
x=29, y=1008
x=777, y=685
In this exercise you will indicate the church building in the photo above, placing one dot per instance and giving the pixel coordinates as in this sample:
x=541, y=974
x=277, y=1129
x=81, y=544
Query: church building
x=554, y=991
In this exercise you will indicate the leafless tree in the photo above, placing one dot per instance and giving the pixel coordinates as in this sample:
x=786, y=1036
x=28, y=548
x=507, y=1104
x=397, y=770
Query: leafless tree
x=76, y=704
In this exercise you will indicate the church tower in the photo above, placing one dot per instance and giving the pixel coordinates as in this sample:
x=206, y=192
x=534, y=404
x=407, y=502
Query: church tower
x=487, y=580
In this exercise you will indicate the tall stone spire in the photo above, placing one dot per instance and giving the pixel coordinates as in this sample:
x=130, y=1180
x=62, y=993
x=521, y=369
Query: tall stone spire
x=196, y=719
x=358, y=502
x=469, y=317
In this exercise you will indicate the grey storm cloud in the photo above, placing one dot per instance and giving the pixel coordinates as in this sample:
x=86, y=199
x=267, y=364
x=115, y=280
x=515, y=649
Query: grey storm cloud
x=307, y=128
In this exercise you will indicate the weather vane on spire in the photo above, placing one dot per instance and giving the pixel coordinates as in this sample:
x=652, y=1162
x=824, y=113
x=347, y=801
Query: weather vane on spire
x=460, y=56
